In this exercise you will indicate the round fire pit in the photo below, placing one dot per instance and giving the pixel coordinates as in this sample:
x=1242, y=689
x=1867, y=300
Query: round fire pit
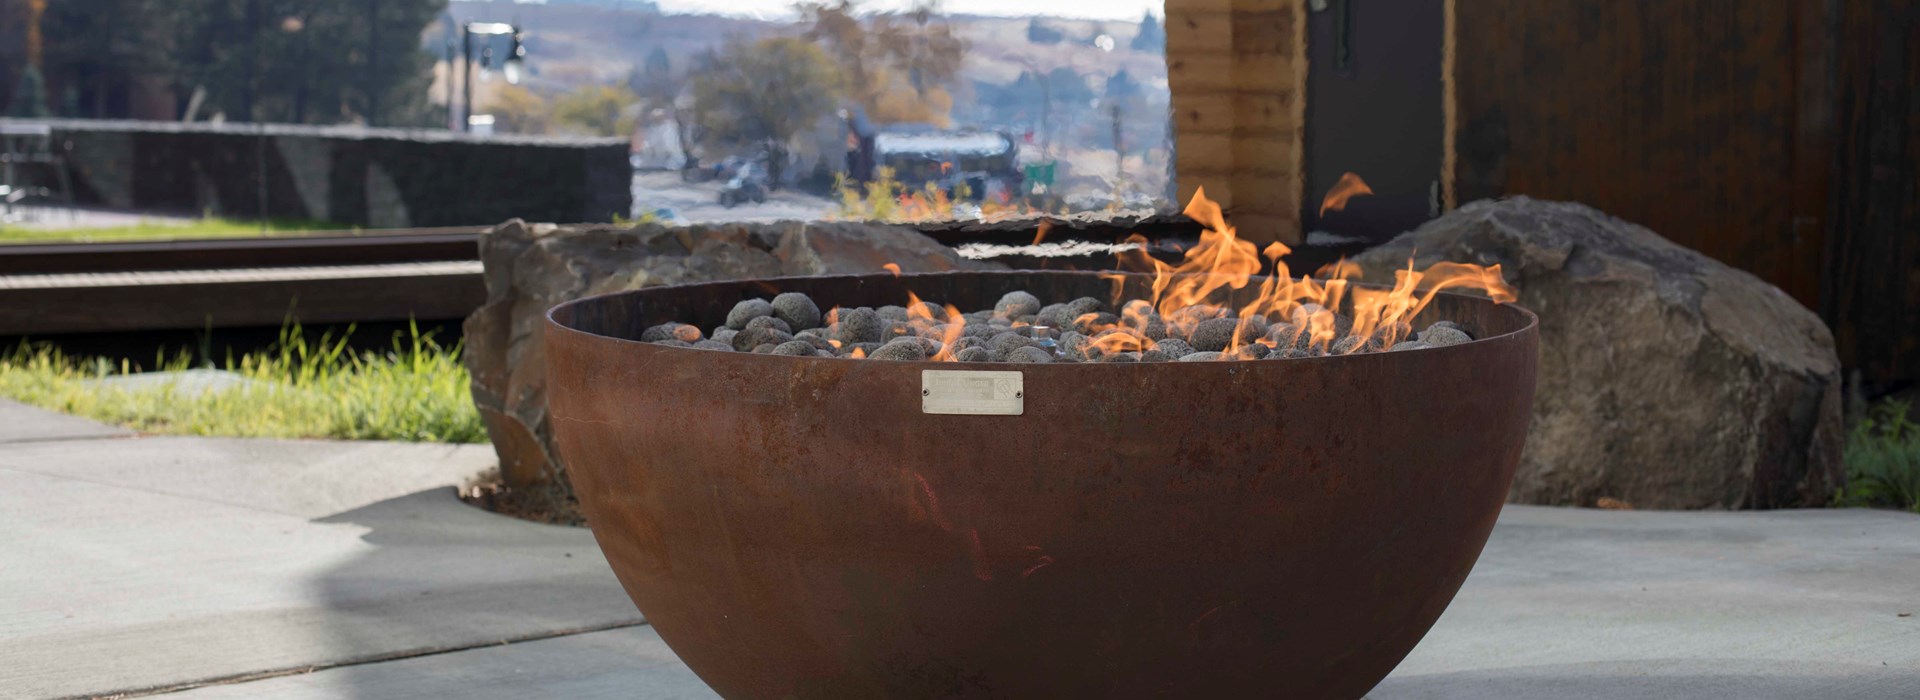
x=804, y=527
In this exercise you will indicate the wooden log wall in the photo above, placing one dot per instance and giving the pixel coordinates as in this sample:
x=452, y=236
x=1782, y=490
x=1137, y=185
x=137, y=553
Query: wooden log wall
x=1237, y=69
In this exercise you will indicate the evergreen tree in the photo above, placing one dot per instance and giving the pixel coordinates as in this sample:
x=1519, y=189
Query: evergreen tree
x=29, y=96
x=1153, y=35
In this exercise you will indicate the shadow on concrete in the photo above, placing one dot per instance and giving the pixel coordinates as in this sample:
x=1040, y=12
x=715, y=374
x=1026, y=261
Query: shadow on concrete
x=1704, y=679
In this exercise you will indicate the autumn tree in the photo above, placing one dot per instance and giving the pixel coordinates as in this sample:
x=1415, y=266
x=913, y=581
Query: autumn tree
x=899, y=67
x=598, y=110
x=764, y=93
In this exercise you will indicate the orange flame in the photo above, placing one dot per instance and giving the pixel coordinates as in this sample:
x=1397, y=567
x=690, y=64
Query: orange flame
x=1040, y=236
x=893, y=268
x=1212, y=281
x=1349, y=186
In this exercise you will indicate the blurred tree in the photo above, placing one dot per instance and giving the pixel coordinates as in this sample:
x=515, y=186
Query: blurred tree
x=1152, y=37
x=99, y=47
x=661, y=89
x=29, y=95
x=764, y=93
x=598, y=110
x=517, y=110
x=1040, y=33
x=897, y=67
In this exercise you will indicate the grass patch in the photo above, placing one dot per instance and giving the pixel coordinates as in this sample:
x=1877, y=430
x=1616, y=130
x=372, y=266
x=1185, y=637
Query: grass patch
x=416, y=391
x=1883, y=461
x=163, y=230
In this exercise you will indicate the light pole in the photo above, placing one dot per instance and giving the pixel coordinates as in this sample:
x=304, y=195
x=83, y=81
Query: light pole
x=515, y=58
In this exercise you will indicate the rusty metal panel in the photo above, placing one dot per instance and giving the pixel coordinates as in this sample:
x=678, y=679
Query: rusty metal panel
x=799, y=528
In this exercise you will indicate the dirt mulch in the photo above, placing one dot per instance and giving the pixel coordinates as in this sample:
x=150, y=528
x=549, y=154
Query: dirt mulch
x=548, y=504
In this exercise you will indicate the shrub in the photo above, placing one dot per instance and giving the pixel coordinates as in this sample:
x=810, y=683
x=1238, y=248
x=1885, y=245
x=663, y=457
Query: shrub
x=1883, y=461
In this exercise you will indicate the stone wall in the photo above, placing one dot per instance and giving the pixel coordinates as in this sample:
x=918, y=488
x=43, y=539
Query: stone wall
x=532, y=268
x=1238, y=71
x=376, y=178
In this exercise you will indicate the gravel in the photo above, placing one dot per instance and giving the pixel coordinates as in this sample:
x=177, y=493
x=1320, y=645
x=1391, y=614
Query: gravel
x=798, y=310
x=747, y=311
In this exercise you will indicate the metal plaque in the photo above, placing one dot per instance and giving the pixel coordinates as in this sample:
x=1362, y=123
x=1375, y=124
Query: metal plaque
x=949, y=393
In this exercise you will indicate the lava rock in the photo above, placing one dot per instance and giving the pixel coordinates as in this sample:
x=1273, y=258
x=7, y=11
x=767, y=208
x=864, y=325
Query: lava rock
x=795, y=348
x=865, y=349
x=1214, y=335
x=752, y=339
x=860, y=326
x=1291, y=354
x=1254, y=326
x=748, y=310
x=973, y=354
x=966, y=342
x=1074, y=346
x=892, y=313
x=1251, y=351
x=1029, y=355
x=1154, y=328
x=1455, y=326
x=765, y=349
x=725, y=335
x=1125, y=357
x=903, y=350
x=1440, y=337
x=1004, y=344
x=1155, y=356
x=1203, y=357
x=798, y=310
x=673, y=343
x=1016, y=304
x=1175, y=347
x=1409, y=345
x=1355, y=345
x=714, y=345
x=768, y=322
x=1053, y=316
x=671, y=331
x=1095, y=322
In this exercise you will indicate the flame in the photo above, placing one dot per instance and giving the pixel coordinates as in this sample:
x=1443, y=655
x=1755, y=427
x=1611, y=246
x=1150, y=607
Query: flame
x=1040, y=235
x=858, y=354
x=893, y=268
x=1349, y=186
x=1215, y=275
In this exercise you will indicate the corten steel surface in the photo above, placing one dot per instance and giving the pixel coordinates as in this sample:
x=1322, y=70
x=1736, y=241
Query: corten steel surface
x=795, y=527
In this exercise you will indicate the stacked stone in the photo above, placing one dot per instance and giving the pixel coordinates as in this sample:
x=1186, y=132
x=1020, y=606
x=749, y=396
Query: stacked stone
x=1021, y=329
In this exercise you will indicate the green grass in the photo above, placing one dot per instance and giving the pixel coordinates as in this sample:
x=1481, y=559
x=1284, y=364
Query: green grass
x=414, y=392
x=1883, y=461
x=162, y=230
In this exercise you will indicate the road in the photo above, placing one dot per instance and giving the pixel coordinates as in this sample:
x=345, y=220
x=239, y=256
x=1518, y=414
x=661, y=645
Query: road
x=699, y=203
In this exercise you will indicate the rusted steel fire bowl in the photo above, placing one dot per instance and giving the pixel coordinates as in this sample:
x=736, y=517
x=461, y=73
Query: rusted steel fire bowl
x=797, y=527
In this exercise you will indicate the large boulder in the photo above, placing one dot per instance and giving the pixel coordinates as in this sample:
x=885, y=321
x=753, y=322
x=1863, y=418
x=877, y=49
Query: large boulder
x=1667, y=379
x=531, y=268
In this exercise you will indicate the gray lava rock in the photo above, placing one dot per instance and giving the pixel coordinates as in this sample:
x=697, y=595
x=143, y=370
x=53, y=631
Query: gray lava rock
x=1175, y=347
x=1214, y=335
x=751, y=339
x=1410, y=345
x=860, y=326
x=1016, y=304
x=1441, y=337
x=1095, y=322
x=892, y=313
x=747, y=311
x=795, y=348
x=1455, y=326
x=798, y=310
x=903, y=350
x=1004, y=344
x=671, y=331
x=1029, y=355
x=764, y=349
x=1251, y=351
x=868, y=349
x=725, y=335
x=1203, y=357
x=1355, y=345
x=1125, y=357
x=1074, y=346
x=1155, y=356
x=768, y=322
x=1254, y=327
x=673, y=343
x=973, y=354
x=1053, y=316
x=714, y=345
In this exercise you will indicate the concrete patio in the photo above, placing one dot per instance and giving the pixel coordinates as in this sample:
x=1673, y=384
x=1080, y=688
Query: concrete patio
x=212, y=568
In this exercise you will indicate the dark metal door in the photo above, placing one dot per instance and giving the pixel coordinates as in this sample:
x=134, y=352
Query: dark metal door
x=1374, y=108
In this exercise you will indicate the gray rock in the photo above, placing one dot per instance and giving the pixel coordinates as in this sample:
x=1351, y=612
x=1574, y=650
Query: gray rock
x=747, y=311
x=1124, y=357
x=1203, y=357
x=673, y=343
x=1155, y=356
x=1251, y=351
x=1095, y=322
x=764, y=349
x=1455, y=326
x=973, y=354
x=892, y=313
x=1441, y=337
x=1004, y=344
x=1667, y=380
x=1074, y=345
x=865, y=349
x=1410, y=345
x=725, y=335
x=1214, y=335
x=1175, y=347
x=859, y=326
x=1054, y=316
x=903, y=350
x=1029, y=355
x=671, y=331
x=798, y=310
x=713, y=345
x=752, y=338
x=1016, y=304
x=768, y=322
x=1355, y=345
x=796, y=348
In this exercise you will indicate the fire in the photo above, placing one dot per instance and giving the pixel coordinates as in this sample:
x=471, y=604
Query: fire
x=1349, y=186
x=893, y=268
x=1204, y=286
